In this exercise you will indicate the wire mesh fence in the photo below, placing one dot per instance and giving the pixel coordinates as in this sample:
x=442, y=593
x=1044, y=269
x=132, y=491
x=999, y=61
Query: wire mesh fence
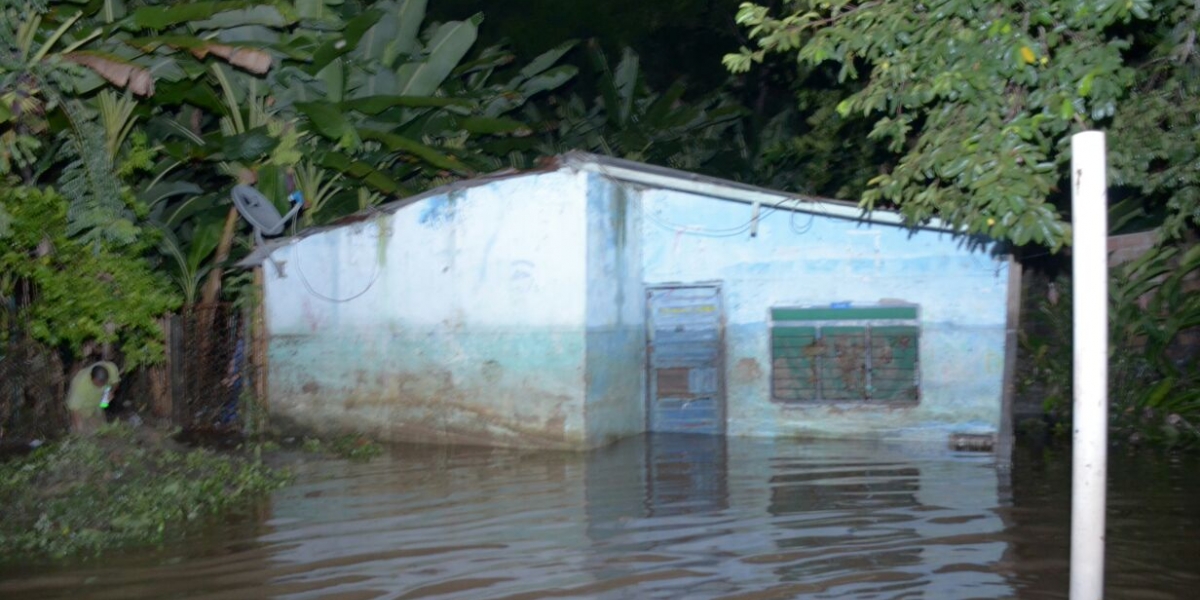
x=32, y=390
x=208, y=367
x=202, y=385
x=32, y=382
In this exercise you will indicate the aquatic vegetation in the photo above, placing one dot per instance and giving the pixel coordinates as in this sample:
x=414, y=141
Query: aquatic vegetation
x=348, y=446
x=122, y=486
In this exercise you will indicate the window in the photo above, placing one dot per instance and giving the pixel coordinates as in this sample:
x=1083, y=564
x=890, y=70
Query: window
x=844, y=354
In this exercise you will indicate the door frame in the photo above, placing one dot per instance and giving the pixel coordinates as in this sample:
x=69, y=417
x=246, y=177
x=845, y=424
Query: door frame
x=722, y=401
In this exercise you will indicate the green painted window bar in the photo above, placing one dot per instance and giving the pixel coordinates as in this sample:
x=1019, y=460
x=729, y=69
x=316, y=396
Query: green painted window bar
x=845, y=354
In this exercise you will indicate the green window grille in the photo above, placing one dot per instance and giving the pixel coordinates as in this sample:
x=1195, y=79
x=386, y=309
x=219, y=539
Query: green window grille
x=859, y=353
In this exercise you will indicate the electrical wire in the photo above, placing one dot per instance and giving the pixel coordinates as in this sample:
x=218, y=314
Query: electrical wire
x=375, y=272
x=658, y=220
x=700, y=231
x=728, y=232
x=812, y=216
x=743, y=228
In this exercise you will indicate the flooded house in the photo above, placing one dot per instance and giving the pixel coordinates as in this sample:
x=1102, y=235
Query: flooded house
x=599, y=298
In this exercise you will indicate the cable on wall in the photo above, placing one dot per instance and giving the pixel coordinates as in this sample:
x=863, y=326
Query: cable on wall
x=375, y=271
x=750, y=226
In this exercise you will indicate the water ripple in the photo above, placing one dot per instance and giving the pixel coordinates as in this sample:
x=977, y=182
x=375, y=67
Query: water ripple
x=663, y=517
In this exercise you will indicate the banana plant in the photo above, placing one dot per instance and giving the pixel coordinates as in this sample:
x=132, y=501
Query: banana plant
x=56, y=53
x=317, y=186
x=407, y=108
x=188, y=259
x=629, y=120
x=1154, y=380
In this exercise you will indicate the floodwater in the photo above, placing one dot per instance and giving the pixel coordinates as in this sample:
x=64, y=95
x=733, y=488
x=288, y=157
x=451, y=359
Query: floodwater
x=667, y=517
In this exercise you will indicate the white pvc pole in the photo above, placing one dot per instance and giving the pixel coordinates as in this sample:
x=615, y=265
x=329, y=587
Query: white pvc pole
x=1089, y=210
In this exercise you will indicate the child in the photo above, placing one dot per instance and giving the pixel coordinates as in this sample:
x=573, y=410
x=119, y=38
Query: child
x=90, y=392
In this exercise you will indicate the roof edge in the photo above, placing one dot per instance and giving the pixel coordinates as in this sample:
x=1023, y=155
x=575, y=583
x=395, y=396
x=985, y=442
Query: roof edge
x=685, y=181
x=637, y=173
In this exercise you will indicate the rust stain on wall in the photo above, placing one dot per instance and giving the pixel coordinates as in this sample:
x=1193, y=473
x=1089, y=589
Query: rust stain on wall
x=747, y=370
x=431, y=408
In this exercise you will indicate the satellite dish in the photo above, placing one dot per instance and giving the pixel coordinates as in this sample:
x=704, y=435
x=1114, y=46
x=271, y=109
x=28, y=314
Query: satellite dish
x=260, y=212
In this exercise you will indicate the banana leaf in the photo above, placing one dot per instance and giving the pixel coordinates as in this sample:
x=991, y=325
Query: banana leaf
x=625, y=79
x=349, y=40
x=251, y=145
x=371, y=81
x=399, y=143
x=492, y=126
x=361, y=171
x=409, y=15
x=546, y=59
x=548, y=80
x=316, y=10
x=162, y=17
x=167, y=189
x=265, y=15
x=249, y=57
x=605, y=81
x=394, y=34
x=117, y=70
x=446, y=49
x=374, y=105
x=326, y=119
x=189, y=92
x=333, y=76
x=490, y=59
x=205, y=238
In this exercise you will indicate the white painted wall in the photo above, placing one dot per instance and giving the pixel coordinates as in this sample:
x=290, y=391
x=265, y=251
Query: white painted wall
x=460, y=317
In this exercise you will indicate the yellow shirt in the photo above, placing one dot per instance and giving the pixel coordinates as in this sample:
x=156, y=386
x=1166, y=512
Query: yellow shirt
x=83, y=396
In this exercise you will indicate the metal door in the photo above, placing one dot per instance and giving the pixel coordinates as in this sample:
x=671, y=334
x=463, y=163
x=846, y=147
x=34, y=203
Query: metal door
x=685, y=359
x=686, y=474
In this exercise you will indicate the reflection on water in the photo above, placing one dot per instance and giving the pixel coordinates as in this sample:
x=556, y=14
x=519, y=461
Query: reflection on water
x=665, y=517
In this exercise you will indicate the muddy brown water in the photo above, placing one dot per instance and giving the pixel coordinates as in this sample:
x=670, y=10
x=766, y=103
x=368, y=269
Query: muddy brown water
x=667, y=517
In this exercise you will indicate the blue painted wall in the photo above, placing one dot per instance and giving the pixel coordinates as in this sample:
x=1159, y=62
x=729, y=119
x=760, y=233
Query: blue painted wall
x=616, y=316
x=514, y=313
x=800, y=259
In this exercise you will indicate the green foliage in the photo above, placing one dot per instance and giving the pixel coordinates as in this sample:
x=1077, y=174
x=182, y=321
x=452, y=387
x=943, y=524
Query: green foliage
x=81, y=496
x=85, y=291
x=5, y=222
x=1154, y=379
x=1045, y=367
x=348, y=446
x=805, y=146
x=973, y=102
x=90, y=181
x=630, y=120
x=142, y=130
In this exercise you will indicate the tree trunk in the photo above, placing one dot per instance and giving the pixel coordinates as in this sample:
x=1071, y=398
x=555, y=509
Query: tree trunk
x=203, y=318
x=212, y=286
x=161, y=398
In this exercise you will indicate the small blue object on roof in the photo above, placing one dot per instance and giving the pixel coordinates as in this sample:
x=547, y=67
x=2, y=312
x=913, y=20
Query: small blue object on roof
x=839, y=305
x=261, y=213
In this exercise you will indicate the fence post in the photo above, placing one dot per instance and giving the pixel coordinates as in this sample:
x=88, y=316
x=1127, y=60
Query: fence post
x=1004, y=441
x=176, y=370
x=259, y=342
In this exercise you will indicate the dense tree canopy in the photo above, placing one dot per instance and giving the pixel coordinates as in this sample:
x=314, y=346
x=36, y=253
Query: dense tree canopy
x=973, y=102
x=139, y=116
x=123, y=125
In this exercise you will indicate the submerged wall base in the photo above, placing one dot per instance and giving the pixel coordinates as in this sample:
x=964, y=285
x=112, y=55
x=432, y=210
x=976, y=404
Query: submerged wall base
x=495, y=388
